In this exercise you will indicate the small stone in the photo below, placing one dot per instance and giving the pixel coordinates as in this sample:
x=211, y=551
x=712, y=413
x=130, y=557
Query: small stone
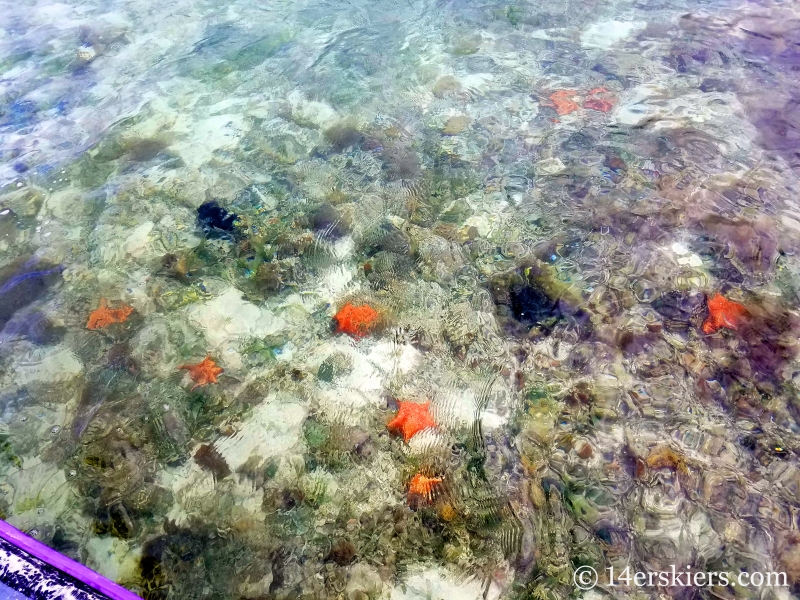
x=447, y=512
x=446, y=86
x=585, y=451
x=550, y=166
x=466, y=45
x=86, y=53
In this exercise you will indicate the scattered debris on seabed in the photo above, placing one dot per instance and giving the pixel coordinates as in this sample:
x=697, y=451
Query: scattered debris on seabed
x=402, y=302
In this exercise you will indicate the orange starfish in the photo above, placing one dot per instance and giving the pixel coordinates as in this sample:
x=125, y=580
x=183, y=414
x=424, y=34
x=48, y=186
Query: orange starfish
x=723, y=313
x=562, y=100
x=411, y=419
x=104, y=316
x=355, y=321
x=422, y=487
x=204, y=372
x=604, y=104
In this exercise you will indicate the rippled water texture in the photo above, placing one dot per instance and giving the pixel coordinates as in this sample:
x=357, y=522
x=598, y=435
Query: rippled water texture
x=401, y=300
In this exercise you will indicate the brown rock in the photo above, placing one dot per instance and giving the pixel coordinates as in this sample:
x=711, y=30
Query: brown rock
x=446, y=86
x=211, y=460
x=343, y=552
x=455, y=125
x=586, y=451
x=666, y=458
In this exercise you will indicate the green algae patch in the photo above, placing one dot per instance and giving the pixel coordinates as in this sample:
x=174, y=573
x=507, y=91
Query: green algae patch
x=13, y=59
x=7, y=452
x=246, y=58
x=466, y=45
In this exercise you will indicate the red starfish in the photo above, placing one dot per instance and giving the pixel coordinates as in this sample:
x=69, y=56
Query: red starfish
x=104, y=316
x=411, y=419
x=355, y=321
x=562, y=100
x=204, y=372
x=421, y=486
x=603, y=104
x=723, y=313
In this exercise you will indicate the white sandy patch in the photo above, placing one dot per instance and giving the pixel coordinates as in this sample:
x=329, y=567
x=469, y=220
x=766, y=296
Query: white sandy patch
x=439, y=584
x=456, y=409
x=272, y=430
x=46, y=365
x=114, y=558
x=607, y=33
x=230, y=318
x=209, y=135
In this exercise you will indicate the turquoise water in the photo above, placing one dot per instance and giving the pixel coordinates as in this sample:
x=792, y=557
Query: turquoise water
x=570, y=227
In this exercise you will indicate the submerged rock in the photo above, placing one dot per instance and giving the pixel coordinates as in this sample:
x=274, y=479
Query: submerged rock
x=28, y=283
x=211, y=460
x=531, y=306
x=446, y=86
x=212, y=216
x=343, y=135
x=455, y=125
x=530, y=301
x=33, y=325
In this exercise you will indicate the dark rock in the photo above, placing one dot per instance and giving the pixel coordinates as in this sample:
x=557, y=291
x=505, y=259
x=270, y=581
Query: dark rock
x=211, y=460
x=343, y=135
x=29, y=283
x=146, y=149
x=400, y=162
x=119, y=358
x=342, y=553
x=212, y=216
x=34, y=326
x=680, y=310
x=532, y=307
x=578, y=141
x=330, y=222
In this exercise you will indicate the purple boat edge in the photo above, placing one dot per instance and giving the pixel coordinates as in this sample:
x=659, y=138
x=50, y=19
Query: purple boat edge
x=57, y=560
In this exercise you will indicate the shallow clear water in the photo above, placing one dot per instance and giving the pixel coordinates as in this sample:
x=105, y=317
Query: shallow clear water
x=572, y=227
